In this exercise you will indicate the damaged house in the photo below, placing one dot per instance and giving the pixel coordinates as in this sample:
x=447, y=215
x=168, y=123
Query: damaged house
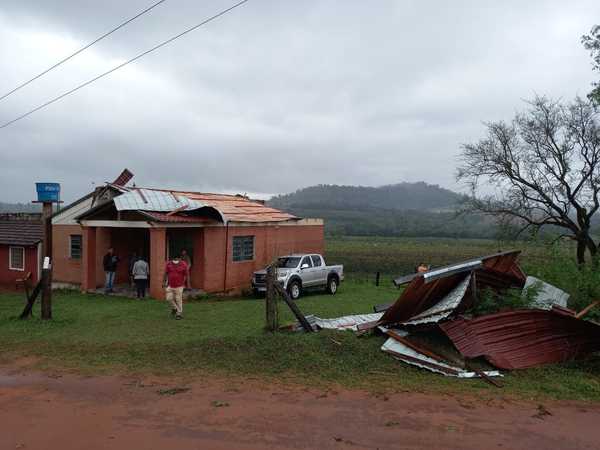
x=226, y=236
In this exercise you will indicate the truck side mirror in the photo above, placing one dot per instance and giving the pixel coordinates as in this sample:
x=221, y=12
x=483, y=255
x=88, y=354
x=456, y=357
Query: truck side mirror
x=304, y=266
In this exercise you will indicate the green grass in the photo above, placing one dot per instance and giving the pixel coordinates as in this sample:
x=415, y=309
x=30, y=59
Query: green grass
x=394, y=256
x=225, y=338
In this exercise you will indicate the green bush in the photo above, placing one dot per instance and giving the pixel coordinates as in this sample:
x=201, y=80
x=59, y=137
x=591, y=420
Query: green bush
x=562, y=271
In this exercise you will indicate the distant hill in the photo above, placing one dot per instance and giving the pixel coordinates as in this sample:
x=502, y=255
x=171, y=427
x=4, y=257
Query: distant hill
x=19, y=207
x=401, y=196
x=404, y=209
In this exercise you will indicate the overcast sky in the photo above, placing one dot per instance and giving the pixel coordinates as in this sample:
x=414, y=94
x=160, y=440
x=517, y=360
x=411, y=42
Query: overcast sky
x=277, y=95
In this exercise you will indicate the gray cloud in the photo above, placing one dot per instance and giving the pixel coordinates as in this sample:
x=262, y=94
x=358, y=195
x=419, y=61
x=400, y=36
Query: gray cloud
x=277, y=95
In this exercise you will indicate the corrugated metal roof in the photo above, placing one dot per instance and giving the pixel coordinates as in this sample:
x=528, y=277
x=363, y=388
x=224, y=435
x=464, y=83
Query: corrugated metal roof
x=18, y=232
x=524, y=338
x=498, y=271
x=410, y=356
x=232, y=208
x=445, y=307
x=347, y=322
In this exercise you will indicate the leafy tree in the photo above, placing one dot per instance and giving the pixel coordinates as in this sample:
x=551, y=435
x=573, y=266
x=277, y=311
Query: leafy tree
x=542, y=169
x=592, y=43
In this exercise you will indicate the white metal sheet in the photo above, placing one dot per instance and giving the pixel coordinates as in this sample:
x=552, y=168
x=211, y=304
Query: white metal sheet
x=548, y=295
x=443, y=308
x=347, y=322
x=151, y=200
x=397, y=347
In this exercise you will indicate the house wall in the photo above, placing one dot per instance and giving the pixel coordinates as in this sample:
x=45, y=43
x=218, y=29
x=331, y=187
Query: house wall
x=213, y=270
x=8, y=277
x=65, y=269
x=223, y=274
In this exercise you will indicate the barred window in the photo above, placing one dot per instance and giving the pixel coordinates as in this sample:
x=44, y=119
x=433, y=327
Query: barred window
x=75, y=246
x=243, y=248
x=16, y=258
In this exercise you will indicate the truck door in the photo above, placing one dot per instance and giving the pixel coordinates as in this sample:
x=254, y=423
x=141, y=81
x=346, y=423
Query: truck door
x=320, y=270
x=307, y=273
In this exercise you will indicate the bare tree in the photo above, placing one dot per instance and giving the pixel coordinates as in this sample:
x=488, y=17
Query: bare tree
x=541, y=169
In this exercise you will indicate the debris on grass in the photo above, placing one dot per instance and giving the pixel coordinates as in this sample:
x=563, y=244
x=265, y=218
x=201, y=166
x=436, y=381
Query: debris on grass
x=492, y=316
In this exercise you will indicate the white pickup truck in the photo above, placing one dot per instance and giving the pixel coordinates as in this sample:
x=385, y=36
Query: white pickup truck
x=299, y=272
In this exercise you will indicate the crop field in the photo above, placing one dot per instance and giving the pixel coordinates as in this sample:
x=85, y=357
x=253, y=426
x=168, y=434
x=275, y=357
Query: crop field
x=364, y=256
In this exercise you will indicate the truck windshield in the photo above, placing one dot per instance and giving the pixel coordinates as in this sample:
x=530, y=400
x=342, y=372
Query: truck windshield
x=288, y=263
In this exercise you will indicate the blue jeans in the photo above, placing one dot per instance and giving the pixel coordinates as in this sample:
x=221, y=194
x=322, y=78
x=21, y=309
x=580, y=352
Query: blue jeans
x=110, y=279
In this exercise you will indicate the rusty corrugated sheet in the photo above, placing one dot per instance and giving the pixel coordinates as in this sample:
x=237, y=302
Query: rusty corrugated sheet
x=497, y=271
x=524, y=338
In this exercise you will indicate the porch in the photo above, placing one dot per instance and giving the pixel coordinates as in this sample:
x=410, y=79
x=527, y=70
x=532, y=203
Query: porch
x=138, y=239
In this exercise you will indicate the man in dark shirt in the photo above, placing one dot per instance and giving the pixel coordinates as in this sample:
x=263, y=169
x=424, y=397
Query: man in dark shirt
x=109, y=262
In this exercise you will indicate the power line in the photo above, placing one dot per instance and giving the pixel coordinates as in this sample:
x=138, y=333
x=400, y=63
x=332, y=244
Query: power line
x=162, y=44
x=108, y=33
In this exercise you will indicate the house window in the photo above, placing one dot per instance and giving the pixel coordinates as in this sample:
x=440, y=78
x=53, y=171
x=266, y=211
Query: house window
x=75, y=246
x=243, y=248
x=16, y=258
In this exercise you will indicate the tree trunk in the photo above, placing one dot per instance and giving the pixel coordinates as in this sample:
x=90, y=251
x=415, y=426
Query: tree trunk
x=581, y=247
x=593, y=249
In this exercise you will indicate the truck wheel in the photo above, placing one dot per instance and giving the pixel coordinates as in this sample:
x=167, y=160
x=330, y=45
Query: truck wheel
x=332, y=285
x=294, y=290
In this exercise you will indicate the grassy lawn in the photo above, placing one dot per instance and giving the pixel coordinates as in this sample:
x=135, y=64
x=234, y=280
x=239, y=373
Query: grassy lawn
x=97, y=334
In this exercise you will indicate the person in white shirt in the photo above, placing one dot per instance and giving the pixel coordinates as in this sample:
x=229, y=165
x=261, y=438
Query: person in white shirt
x=140, y=272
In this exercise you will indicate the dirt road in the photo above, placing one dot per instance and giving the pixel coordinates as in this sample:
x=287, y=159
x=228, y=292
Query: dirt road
x=46, y=411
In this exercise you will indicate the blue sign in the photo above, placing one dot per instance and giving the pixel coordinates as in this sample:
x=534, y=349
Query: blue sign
x=48, y=192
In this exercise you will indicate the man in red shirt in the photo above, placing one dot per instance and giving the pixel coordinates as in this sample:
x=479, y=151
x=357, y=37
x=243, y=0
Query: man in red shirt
x=175, y=278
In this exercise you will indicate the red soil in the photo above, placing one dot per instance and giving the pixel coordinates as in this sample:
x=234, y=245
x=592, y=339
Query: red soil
x=46, y=411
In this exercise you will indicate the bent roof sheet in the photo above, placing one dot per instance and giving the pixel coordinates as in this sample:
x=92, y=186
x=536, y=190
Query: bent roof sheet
x=232, y=208
x=428, y=288
x=524, y=338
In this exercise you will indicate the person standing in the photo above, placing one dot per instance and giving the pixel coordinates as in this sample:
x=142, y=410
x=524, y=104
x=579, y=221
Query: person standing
x=186, y=258
x=175, y=278
x=109, y=262
x=140, y=272
x=132, y=260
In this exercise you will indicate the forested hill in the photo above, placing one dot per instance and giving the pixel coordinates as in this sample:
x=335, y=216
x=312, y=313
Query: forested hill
x=405, y=209
x=402, y=196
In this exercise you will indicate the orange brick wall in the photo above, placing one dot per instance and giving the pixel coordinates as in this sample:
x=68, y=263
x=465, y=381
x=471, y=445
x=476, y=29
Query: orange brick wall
x=208, y=272
x=64, y=269
x=269, y=242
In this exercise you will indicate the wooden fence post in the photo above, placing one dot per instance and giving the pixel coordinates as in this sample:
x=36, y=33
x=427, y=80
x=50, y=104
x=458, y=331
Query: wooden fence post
x=377, y=275
x=271, y=299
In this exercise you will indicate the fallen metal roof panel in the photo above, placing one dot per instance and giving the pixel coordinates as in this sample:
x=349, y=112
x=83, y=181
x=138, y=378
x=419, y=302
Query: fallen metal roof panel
x=548, y=295
x=410, y=356
x=445, y=307
x=496, y=271
x=347, y=322
x=524, y=338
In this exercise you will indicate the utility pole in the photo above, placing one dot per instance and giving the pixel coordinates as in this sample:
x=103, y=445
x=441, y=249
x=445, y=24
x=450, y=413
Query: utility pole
x=47, y=194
